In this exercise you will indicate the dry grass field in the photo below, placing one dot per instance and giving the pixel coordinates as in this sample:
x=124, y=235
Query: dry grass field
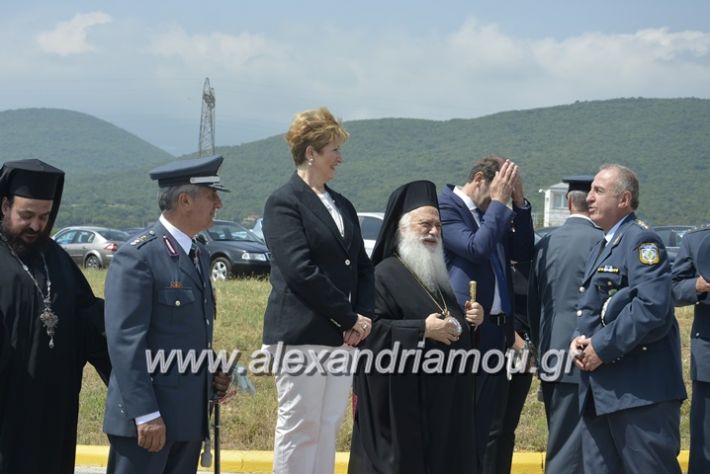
x=248, y=421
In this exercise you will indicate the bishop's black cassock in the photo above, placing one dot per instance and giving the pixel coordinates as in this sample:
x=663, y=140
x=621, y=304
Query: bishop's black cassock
x=411, y=422
x=39, y=385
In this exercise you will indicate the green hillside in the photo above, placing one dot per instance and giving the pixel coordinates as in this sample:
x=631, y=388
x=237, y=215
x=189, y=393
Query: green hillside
x=105, y=165
x=666, y=141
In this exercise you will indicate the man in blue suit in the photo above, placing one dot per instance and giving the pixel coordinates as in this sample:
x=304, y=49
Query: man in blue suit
x=555, y=279
x=481, y=236
x=627, y=344
x=690, y=286
x=159, y=298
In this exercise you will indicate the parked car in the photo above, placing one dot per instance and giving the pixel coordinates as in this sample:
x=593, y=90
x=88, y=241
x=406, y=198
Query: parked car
x=370, y=223
x=671, y=236
x=258, y=230
x=133, y=231
x=235, y=251
x=91, y=247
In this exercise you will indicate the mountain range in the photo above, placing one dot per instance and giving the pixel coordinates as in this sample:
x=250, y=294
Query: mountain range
x=665, y=141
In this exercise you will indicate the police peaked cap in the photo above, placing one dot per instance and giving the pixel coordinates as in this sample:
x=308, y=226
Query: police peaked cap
x=579, y=183
x=200, y=171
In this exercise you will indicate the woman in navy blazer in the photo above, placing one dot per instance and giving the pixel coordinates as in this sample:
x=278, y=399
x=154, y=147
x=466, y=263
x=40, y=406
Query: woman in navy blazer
x=321, y=297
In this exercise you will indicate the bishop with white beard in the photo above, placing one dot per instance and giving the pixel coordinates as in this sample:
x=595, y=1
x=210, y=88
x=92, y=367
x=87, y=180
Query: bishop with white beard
x=415, y=421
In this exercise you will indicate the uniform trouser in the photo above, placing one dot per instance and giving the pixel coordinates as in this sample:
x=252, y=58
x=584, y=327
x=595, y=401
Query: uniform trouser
x=176, y=457
x=564, y=426
x=311, y=408
x=637, y=440
x=699, y=462
x=501, y=437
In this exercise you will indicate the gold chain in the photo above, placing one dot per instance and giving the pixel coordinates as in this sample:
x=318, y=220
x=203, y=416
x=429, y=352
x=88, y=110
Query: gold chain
x=445, y=310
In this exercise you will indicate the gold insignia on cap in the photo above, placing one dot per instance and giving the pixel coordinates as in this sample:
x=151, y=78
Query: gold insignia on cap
x=649, y=254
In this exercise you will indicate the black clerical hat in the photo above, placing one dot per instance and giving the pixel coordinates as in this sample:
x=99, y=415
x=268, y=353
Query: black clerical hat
x=200, y=171
x=703, y=258
x=402, y=200
x=579, y=183
x=32, y=179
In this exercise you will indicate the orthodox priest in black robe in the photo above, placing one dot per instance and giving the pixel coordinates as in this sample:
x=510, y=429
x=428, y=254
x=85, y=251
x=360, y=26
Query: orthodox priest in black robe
x=419, y=417
x=51, y=324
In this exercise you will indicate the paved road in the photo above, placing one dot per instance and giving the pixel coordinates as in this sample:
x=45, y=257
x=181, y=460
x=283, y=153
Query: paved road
x=102, y=470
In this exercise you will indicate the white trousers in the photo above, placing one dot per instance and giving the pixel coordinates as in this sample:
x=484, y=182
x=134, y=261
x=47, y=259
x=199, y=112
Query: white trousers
x=311, y=408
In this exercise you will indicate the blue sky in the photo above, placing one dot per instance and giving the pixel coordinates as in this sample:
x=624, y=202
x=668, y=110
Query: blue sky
x=140, y=65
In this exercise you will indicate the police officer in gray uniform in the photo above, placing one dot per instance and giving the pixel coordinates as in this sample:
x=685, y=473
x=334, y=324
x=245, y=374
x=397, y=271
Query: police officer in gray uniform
x=691, y=285
x=628, y=345
x=159, y=298
x=554, y=289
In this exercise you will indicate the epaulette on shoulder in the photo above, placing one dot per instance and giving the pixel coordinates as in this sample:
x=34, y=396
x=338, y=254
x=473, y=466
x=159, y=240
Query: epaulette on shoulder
x=143, y=239
x=642, y=224
x=699, y=228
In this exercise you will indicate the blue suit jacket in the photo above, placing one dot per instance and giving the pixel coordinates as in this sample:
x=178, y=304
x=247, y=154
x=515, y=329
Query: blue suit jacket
x=684, y=275
x=467, y=248
x=156, y=300
x=639, y=343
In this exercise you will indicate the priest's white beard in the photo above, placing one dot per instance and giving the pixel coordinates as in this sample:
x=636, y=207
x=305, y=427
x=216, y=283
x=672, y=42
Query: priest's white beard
x=426, y=262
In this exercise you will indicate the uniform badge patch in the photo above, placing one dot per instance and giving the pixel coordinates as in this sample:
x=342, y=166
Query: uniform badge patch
x=648, y=254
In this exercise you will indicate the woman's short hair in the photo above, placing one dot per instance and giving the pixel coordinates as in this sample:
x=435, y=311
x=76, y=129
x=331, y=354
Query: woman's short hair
x=317, y=128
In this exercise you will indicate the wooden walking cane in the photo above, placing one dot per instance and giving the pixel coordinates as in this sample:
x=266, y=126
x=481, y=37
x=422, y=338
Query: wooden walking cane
x=472, y=288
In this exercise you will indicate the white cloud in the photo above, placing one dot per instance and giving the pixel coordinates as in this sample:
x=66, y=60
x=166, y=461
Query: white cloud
x=70, y=37
x=261, y=78
x=218, y=49
x=473, y=70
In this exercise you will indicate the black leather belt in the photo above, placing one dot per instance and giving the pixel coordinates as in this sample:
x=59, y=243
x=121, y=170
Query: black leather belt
x=497, y=319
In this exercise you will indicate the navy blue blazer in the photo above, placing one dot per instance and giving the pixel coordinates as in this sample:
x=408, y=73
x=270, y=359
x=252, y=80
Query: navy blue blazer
x=639, y=344
x=320, y=280
x=684, y=275
x=467, y=248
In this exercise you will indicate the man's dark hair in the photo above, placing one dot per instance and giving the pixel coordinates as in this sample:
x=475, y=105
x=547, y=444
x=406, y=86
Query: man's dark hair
x=10, y=202
x=16, y=243
x=489, y=166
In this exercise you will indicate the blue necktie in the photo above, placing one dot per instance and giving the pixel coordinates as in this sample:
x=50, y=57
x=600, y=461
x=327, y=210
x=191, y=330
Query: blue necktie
x=499, y=270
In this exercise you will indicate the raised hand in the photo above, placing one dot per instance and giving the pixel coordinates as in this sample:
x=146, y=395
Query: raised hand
x=501, y=188
x=518, y=194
